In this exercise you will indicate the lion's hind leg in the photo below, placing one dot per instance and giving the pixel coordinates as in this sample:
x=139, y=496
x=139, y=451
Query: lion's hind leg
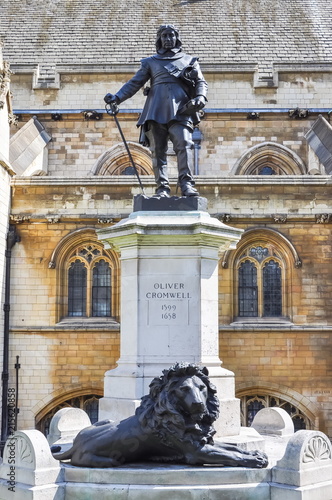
x=97, y=461
x=168, y=458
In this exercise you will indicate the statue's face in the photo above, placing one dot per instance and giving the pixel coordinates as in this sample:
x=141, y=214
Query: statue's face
x=168, y=39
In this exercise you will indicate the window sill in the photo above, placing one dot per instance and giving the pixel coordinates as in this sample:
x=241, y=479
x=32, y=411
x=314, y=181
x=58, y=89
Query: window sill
x=88, y=323
x=281, y=320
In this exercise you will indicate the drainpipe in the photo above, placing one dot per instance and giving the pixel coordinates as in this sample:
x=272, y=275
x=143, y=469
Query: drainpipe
x=12, y=238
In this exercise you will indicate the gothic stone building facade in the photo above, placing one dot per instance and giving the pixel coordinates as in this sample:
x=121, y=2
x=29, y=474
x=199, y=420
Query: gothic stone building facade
x=269, y=70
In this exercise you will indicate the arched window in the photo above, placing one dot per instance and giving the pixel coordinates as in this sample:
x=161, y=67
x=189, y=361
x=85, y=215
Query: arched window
x=260, y=282
x=88, y=277
x=116, y=161
x=261, y=278
x=86, y=402
x=89, y=283
x=269, y=158
x=250, y=406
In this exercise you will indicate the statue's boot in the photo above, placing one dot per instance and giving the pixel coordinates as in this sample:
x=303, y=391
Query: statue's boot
x=184, y=148
x=189, y=190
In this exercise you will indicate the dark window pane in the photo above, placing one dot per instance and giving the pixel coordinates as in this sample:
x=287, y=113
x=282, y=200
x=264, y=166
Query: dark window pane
x=77, y=289
x=299, y=423
x=252, y=409
x=266, y=171
x=128, y=171
x=101, y=289
x=272, y=289
x=248, y=297
x=91, y=408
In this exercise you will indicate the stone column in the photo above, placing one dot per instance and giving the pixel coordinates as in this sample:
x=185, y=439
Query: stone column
x=169, y=306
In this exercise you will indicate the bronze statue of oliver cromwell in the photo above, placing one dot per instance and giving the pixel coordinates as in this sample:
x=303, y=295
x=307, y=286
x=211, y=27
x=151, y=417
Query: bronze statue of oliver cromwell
x=177, y=92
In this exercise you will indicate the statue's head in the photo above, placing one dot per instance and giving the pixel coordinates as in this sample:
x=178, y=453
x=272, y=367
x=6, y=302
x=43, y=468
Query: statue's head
x=161, y=34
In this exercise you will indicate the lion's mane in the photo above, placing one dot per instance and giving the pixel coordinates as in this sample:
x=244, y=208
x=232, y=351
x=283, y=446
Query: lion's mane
x=160, y=412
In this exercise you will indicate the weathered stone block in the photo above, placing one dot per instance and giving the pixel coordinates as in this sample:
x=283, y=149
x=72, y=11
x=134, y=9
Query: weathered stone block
x=66, y=424
x=28, y=470
x=273, y=421
x=307, y=462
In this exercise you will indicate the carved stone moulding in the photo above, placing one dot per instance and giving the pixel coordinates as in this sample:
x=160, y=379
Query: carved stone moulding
x=279, y=219
x=53, y=219
x=224, y=218
x=323, y=218
x=105, y=220
x=307, y=460
x=19, y=219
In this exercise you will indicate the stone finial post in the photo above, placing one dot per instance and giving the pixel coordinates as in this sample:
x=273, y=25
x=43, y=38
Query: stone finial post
x=28, y=470
x=305, y=471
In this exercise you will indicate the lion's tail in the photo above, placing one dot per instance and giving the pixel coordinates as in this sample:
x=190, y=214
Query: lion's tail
x=66, y=455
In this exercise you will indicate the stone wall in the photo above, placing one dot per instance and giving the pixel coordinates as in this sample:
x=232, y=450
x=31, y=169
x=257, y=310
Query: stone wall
x=304, y=88
x=227, y=133
x=53, y=353
x=60, y=363
x=283, y=362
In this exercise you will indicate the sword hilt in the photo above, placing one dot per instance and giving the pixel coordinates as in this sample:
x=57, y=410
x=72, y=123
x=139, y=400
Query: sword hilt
x=112, y=108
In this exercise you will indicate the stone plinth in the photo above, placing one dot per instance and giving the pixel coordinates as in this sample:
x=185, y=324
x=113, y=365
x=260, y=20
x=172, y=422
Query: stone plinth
x=165, y=482
x=169, y=305
x=173, y=203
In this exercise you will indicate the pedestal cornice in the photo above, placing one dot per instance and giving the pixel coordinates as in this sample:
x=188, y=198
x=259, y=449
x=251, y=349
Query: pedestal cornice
x=176, y=228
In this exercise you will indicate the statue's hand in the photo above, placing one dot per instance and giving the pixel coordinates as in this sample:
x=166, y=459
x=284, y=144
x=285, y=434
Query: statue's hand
x=111, y=98
x=199, y=102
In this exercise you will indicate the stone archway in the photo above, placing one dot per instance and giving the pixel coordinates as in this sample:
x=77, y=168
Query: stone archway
x=280, y=159
x=116, y=161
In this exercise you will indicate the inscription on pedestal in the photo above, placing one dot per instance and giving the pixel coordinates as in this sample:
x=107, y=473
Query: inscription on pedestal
x=168, y=303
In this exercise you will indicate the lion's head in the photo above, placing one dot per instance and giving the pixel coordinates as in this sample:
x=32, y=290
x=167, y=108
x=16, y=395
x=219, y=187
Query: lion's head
x=182, y=403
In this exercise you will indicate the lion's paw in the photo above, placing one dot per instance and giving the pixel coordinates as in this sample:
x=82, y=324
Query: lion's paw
x=258, y=460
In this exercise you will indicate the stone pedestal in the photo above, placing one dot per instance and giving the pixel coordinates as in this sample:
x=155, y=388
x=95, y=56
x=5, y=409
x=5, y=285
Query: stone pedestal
x=169, y=306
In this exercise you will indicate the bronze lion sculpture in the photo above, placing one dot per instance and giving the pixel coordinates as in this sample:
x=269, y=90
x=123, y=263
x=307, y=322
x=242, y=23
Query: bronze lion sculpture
x=174, y=423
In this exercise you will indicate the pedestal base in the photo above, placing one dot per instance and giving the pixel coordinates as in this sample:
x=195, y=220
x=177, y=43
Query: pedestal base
x=126, y=381
x=165, y=482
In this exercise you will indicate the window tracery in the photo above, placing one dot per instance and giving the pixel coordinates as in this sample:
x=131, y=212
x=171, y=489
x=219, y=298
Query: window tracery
x=89, y=283
x=250, y=406
x=87, y=402
x=88, y=277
